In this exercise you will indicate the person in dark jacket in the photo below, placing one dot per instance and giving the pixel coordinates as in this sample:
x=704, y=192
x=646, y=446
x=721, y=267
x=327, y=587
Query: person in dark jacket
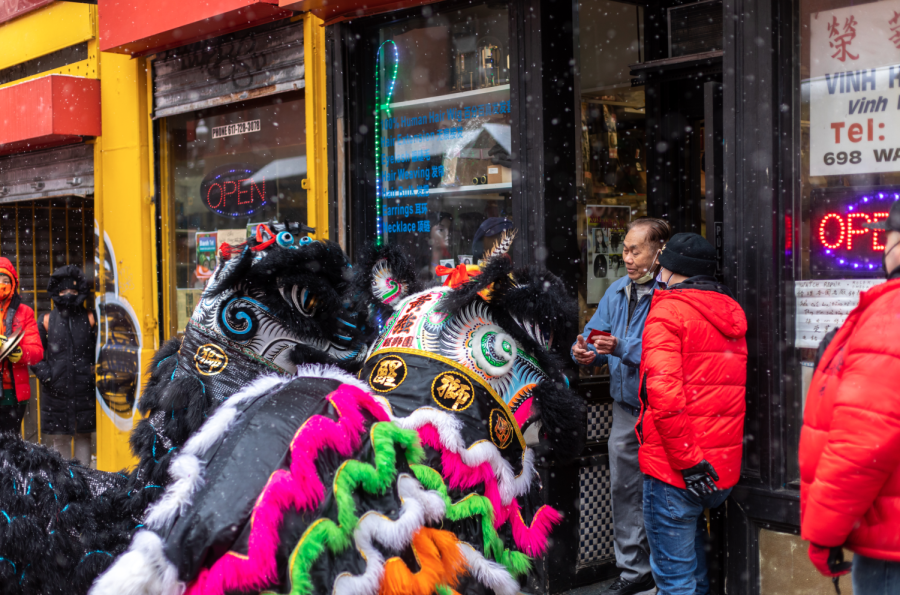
x=15, y=318
x=621, y=315
x=68, y=333
x=693, y=384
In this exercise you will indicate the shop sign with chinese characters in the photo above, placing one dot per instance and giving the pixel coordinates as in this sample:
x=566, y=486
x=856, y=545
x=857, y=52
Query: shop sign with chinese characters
x=854, y=90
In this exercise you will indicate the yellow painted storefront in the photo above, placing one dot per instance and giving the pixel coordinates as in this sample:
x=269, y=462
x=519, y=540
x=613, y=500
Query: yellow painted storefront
x=123, y=210
x=125, y=199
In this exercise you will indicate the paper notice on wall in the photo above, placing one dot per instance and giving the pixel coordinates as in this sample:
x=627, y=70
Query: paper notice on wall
x=854, y=90
x=824, y=305
x=232, y=237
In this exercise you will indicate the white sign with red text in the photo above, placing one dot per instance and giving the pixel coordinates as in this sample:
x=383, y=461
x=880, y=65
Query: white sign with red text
x=854, y=90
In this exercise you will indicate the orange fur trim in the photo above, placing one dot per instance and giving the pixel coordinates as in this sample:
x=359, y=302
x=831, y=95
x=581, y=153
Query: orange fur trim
x=439, y=558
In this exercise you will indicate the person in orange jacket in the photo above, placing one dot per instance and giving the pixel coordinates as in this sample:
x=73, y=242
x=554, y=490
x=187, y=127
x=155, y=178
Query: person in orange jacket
x=16, y=317
x=850, y=441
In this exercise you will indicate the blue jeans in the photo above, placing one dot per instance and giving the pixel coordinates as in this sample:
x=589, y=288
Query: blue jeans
x=875, y=577
x=675, y=525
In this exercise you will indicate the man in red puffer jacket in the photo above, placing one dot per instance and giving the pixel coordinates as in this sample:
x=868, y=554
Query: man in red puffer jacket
x=693, y=383
x=850, y=441
x=15, y=317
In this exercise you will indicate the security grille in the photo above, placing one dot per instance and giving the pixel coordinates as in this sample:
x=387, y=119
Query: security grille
x=235, y=67
x=595, y=527
x=695, y=28
x=599, y=421
x=39, y=236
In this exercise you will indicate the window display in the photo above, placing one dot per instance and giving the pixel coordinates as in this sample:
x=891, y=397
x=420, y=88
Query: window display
x=613, y=185
x=443, y=154
x=850, y=177
x=231, y=168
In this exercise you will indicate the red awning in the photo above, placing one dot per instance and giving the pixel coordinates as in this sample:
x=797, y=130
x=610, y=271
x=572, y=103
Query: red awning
x=10, y=9
x=140, y=27
x=48, y=111
x=334, y=11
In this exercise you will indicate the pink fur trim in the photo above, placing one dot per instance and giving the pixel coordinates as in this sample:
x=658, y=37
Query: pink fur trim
x=523, y=412
x=533, y=540
x=300, y=489
x=530, y=539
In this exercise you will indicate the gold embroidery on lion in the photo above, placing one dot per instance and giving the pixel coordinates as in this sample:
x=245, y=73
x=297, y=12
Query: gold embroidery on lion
x=501, y=429
x=210, y=359
x=388, y=374
x=452, y=391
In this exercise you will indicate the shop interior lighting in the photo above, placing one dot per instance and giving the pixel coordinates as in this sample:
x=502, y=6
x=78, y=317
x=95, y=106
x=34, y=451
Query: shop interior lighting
x=382, y=110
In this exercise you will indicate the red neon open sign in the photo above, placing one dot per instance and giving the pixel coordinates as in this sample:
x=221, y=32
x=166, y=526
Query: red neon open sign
x=220, y=193
x=837, y=231
x=840, y=244
x=234, y=191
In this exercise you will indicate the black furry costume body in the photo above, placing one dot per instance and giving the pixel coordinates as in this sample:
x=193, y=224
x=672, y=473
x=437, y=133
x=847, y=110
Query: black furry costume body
x=61, y=524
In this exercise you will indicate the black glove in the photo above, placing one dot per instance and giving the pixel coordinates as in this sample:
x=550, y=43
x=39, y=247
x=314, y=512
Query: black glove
x=700, y=479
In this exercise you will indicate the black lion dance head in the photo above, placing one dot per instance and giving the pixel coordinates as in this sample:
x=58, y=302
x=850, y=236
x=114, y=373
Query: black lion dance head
x=275, y=303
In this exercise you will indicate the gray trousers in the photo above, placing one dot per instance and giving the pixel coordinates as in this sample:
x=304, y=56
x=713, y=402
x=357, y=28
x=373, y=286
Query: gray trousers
x=627, y=486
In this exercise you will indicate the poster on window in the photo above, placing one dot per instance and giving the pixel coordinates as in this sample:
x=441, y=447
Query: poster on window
x=824, y=305
x=606, y=228
x=206, y=256
x=854, y=90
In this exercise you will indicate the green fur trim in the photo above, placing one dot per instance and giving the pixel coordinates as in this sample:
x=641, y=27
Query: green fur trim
x=352, y=474
x=515, y=562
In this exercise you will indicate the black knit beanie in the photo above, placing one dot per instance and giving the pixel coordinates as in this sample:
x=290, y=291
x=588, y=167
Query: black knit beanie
x=689, y=254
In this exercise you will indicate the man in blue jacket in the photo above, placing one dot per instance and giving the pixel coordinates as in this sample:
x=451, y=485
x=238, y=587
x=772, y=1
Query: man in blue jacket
x=622, y=313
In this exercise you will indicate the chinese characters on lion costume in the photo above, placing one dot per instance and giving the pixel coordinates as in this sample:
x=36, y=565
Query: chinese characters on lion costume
x=266, y=466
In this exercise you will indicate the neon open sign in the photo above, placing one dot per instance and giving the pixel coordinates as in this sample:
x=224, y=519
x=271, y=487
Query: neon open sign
x=234, y=191
x=841, y=244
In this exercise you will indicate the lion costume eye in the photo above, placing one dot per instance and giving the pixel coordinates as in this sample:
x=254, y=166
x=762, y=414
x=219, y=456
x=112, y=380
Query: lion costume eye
x=472, y=338
x=493, y=350
x=304, y=301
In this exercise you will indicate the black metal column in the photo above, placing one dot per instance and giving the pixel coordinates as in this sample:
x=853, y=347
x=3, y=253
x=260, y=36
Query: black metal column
x=759, y=170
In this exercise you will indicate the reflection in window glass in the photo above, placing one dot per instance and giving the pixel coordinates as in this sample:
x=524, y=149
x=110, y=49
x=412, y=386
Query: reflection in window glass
x=231, y=168
x=443, y=134
x=849, y=175
x=614, y=165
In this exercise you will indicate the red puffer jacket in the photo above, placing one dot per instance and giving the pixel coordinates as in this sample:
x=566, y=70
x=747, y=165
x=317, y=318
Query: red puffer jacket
x=850, y=441
x=693, y=383
x=18, y=316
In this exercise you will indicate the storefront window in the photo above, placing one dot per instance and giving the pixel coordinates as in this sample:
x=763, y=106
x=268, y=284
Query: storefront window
x=850, y=163
x=613, y=188
x=443, y=156
x=231, y=168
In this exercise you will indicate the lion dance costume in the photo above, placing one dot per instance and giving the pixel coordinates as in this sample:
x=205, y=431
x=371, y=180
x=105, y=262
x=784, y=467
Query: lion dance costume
x=266, y=467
